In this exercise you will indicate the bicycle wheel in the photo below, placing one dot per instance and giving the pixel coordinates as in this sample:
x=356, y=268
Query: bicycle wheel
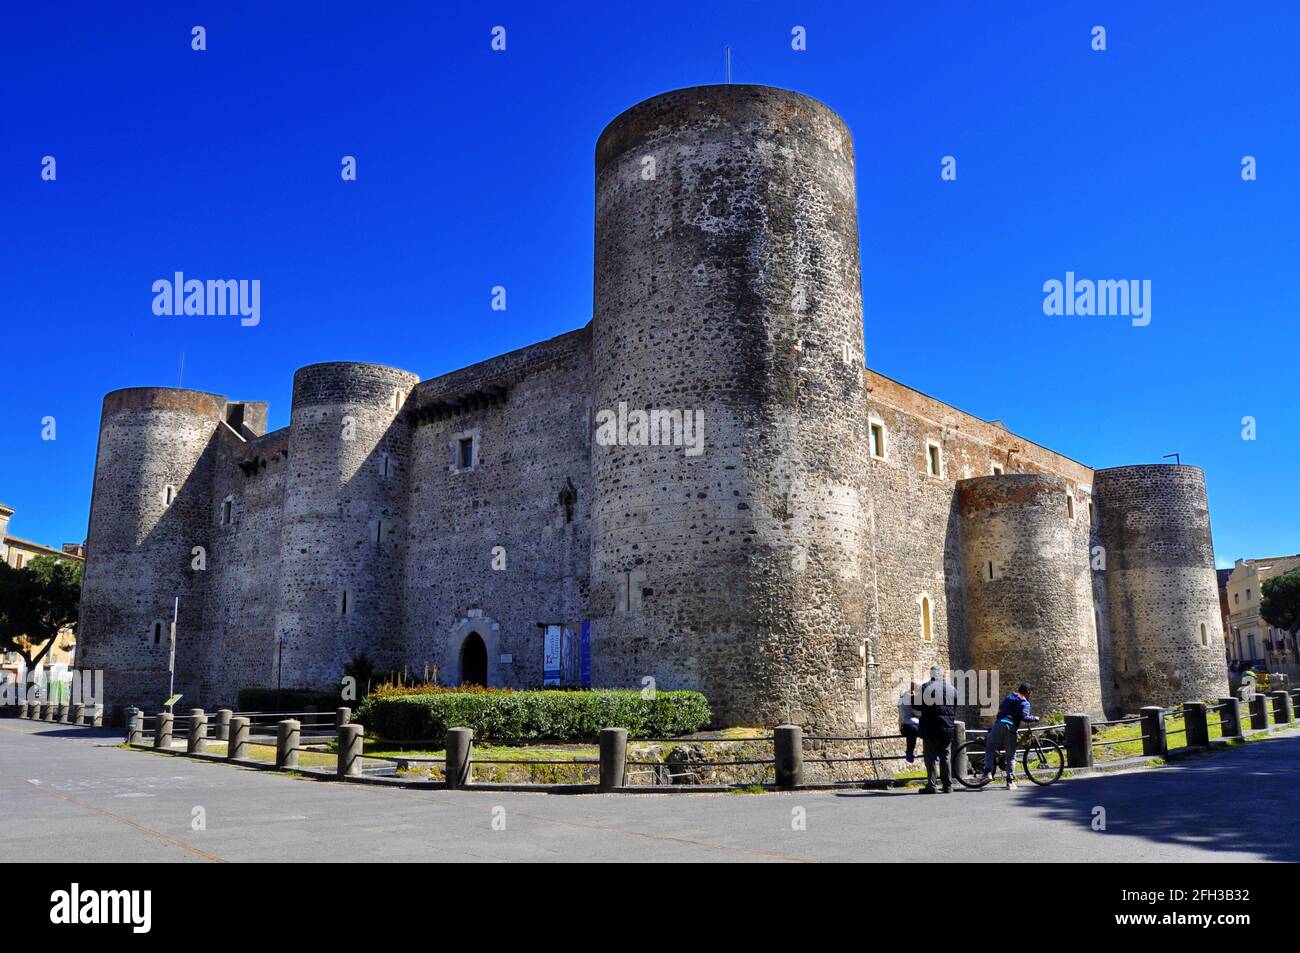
x=1044, y=761
x=975, y=756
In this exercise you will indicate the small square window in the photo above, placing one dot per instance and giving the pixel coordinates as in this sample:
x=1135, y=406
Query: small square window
x=997, y=469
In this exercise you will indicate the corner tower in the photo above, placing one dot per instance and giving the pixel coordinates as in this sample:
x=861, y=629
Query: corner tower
x=342, y=536
x=1029, y=591
x=727, y=288
x=1161, y=585
x=151, y=506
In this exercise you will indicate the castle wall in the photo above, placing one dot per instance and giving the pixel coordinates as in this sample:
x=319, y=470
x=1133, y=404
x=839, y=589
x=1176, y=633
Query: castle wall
x=1163, y=593
x=237, y=644
x=529, y=443
x=915, y=541
x=727, y=282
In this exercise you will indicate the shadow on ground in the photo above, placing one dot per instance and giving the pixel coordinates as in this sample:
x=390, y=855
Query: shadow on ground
x=1240, y=800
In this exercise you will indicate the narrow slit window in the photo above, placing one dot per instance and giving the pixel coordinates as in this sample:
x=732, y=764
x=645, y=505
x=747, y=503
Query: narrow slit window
x=227, y=508
x=344, y=607
x=878, y=441
x=990, y=571
x=933, y=460
x=1069, y=506
x=169, y=494
x=1205, y=635
x=157, y=633
x=465, y=453
x=927, y=630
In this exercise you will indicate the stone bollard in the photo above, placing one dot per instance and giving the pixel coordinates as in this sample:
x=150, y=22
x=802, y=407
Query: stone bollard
x=351, y=739
x=50, y=712
x=342, y=716
x=1154, y=741
x=1078, y=741
x=1230, y=717
x=134, y=726
x=460, y=750
x=76, y=714
x=1196, y=718
x=613, y=758
x=197, y=740
x=787, y=740
x=1283, y=713
x=288, y=739
x=24, y=709
x=959, y=766
x=62, y=715
x=237, y=742
x=223, y=724
x=1259, y=712
x=162, y=730
x=97, y=716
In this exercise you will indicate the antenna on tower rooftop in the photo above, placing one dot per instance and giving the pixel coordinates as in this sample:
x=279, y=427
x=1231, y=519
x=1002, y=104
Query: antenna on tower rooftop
x=1178, y=459
x=727, y=57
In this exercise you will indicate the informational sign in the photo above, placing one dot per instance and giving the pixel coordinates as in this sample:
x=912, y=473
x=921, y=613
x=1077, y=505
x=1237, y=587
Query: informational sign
x=552, y=647
x=171, y=701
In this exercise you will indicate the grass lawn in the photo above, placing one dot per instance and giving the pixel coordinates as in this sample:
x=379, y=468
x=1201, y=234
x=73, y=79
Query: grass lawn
x=306, y=759
x=1133, y=748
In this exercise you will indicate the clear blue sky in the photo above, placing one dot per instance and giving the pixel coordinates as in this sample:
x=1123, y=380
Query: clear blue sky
x=475, y=170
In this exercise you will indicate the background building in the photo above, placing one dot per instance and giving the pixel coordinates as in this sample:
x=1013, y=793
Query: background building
x=1252, y=641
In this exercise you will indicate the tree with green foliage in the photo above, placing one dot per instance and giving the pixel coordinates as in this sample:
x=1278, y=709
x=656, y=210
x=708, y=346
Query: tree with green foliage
x=1280, y=602
x=35, y=603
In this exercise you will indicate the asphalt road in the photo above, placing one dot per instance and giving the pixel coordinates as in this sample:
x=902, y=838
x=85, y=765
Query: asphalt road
x=72, y=795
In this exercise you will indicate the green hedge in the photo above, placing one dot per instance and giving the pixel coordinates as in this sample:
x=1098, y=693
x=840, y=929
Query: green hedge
x=520, y=717
x=288, y=699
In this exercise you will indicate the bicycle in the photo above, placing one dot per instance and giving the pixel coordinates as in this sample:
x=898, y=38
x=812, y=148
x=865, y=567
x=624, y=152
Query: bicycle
x=1042, y=758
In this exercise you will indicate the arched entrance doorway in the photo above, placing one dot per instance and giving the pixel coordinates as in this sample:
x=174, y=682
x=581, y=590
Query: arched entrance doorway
x=473, y=661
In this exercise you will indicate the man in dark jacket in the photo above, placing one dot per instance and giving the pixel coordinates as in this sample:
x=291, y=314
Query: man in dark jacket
x=938, y=709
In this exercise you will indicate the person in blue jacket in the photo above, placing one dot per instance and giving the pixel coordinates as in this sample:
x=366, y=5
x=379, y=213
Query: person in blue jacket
x=1002, y=735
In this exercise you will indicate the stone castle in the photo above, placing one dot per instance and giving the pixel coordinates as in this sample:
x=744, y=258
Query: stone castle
x=830, y=528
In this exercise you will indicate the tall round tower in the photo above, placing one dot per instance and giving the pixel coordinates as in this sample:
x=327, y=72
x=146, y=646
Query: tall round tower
x=1160, y=584
x=342, y=532
x=151, y=507
x=728, y=296
x=1028, y=589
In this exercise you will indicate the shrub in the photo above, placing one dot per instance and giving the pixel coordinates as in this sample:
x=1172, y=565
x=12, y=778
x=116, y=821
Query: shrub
x=287, y=699
x=526, y=716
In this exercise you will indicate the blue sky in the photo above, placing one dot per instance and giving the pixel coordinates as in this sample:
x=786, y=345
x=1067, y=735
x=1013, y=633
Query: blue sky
x=475, y=170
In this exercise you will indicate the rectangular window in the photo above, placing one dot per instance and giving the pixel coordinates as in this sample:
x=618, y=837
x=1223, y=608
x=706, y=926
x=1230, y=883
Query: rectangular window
x=465, y=454
x=878, y=441
x=933, y=460
x=226, y=507
x=1069, y=506
x=344, y=607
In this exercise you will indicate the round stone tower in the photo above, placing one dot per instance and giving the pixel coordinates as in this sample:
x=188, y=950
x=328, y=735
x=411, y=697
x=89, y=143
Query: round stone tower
x=1161, y=585
x=343, y=529
x=1028, y=590
x=151, y=507
x=728, y=296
